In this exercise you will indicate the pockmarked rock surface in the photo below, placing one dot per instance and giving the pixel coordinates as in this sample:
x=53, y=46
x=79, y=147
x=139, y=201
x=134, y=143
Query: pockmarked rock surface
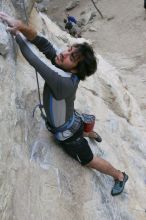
x=3, y=40
x=37, y=179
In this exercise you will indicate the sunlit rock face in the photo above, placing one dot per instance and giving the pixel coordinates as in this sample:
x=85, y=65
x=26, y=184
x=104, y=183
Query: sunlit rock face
x=3, y=40
x=23, y=8
x=37, y=179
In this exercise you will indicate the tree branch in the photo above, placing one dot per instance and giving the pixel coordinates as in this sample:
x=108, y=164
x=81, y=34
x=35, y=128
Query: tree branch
x=97, y=9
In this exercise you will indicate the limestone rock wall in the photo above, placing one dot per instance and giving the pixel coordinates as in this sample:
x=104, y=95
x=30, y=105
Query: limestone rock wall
x=37, y=179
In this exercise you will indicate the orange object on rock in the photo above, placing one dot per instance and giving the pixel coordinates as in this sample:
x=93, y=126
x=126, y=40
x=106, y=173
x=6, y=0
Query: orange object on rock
x=88, y=122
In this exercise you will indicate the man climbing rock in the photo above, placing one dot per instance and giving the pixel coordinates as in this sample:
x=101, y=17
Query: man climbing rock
x=62, y=77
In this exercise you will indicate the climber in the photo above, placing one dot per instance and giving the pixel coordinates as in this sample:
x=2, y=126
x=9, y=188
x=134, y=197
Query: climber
x=61, y=83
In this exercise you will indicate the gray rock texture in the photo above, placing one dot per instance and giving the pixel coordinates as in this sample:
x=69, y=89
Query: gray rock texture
x=37, y=179
x=4, y=40
x=72, y=4
x=23, y=8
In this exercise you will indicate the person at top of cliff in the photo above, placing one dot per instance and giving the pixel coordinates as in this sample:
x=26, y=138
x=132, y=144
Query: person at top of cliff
x=62, y=78
x=71, y=19
x=68, y=25
x=73, y=30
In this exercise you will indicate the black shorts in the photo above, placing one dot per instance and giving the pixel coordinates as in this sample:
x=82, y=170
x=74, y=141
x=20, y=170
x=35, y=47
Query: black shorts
x=78, y=148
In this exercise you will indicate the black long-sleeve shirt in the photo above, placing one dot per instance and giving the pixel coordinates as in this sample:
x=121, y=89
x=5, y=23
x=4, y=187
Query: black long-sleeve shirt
x=59, y=91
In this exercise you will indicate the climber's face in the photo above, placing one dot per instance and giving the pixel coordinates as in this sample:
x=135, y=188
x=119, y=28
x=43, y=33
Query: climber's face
x=68, y=59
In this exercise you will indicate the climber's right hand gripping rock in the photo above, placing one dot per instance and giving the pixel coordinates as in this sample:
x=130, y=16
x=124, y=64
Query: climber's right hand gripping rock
x=16, y=25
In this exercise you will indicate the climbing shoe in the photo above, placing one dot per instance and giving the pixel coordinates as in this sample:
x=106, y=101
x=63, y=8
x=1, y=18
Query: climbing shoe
x=119, y=185
x=98, y=138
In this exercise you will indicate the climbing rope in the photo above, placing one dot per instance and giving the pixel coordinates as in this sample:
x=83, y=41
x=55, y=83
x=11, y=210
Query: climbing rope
x=40, y=105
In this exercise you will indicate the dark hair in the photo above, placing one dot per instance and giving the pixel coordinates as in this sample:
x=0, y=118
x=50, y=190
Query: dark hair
x=88, y=64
